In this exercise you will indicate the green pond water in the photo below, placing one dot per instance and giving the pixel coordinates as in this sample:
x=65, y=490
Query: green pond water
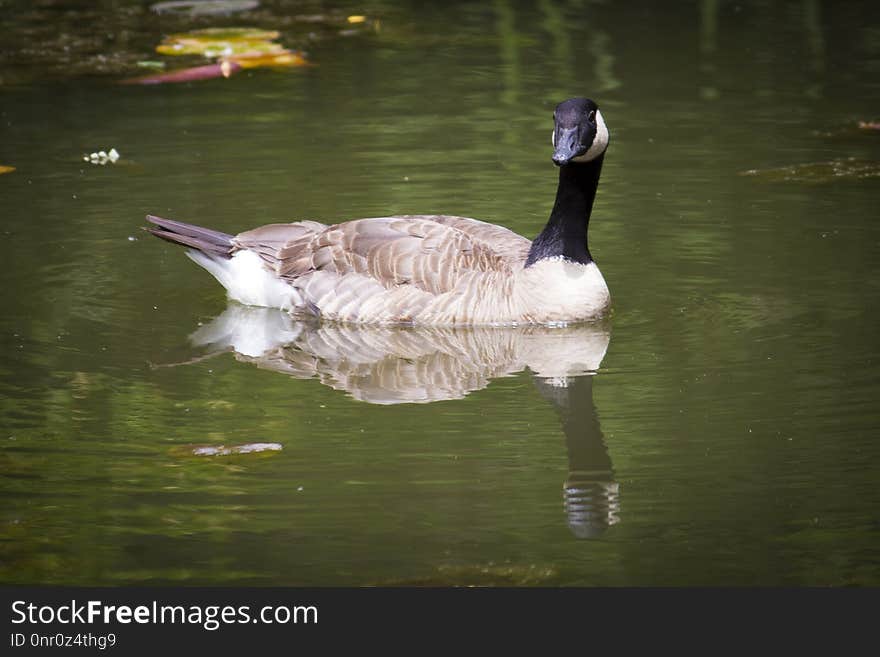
x=720, y=429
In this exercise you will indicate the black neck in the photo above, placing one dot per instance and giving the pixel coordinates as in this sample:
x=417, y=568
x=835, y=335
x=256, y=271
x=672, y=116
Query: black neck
x=566, y=231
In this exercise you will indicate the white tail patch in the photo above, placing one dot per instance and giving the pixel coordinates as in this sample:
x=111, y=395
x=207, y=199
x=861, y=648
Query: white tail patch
x=248, y=280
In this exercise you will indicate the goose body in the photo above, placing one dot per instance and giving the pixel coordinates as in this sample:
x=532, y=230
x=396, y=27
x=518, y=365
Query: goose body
x=433, y=270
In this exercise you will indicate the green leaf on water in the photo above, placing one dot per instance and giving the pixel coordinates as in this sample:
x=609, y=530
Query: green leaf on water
x=230, y=33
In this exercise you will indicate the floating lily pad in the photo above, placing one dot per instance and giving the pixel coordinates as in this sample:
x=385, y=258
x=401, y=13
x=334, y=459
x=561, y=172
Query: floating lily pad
x=819, y=172
x=6, y=169
x=204, y=7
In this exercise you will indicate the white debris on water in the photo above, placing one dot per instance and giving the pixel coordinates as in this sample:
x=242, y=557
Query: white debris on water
x=102, y=157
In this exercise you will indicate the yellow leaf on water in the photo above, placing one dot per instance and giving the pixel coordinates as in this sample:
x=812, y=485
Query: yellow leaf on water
x=5, y=169
x=281, y=59
x=220, y=42
x=356, y=19
x=217, y=48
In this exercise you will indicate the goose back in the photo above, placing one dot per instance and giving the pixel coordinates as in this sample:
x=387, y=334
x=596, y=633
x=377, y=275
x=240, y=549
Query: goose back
x=398, y=269
x=430, y=252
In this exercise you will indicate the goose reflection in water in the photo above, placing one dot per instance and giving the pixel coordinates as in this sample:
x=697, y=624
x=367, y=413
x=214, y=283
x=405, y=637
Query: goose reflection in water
x=388, y=365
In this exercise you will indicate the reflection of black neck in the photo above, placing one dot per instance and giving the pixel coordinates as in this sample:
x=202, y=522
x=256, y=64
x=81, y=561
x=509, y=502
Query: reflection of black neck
x=580, y=423
x=583, y=434
x=566, y=231
x=591, y=499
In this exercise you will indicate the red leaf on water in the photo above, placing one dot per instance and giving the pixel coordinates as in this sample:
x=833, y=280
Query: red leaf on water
x=221, y=70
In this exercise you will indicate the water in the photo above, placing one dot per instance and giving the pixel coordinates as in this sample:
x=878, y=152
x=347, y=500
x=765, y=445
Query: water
x=719, y=429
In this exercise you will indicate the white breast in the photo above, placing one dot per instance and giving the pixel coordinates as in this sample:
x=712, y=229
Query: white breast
x=556, y=290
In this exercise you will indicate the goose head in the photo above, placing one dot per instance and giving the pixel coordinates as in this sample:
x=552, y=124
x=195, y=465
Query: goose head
x=579, y=132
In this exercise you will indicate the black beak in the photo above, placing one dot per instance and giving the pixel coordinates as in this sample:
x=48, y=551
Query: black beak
x=568, y=145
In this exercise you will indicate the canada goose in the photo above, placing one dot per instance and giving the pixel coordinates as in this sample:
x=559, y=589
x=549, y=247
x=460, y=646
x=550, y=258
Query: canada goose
x=434, y=270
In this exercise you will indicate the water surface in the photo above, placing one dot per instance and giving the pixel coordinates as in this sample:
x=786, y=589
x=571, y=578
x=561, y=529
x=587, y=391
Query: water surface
x=720, y=429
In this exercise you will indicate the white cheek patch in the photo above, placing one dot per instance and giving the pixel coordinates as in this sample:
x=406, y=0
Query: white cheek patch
x=553, y=137
x=600, y=142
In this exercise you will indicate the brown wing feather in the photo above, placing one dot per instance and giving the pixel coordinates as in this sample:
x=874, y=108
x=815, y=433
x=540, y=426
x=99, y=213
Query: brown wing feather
x=268, y=240
x=512, y=247
x=431, y=252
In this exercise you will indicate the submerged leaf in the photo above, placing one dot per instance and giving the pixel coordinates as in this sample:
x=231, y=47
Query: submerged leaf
x=819, y=172
x=204, y=7
x=231, y=450
x=480, y=575
x=6, y=169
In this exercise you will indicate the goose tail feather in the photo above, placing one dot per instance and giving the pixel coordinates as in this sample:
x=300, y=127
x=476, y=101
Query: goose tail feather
x=206, y=240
